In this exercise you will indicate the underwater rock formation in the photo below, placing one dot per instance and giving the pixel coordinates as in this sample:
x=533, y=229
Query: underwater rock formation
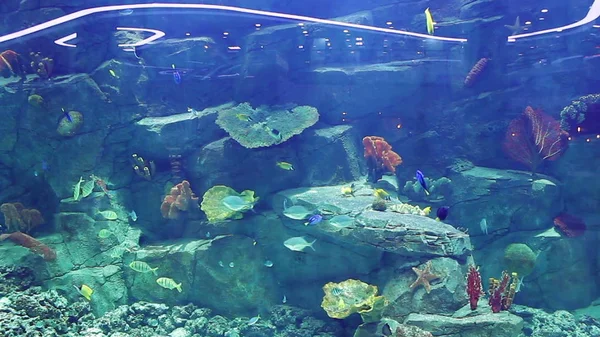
x=497, y=325
x=582, y=116
x=69, y=125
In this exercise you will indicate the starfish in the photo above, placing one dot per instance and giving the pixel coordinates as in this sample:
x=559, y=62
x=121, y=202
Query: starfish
x=423, y=277
x=516, y=28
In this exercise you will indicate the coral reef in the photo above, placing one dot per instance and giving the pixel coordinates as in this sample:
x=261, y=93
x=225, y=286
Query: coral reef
x=266, y=126
x=570, y=225
x=534, y=137
x=476, y=71
x=561, y=323
x=32, y=244
x=42, y=66
x=10, y=64
x=180, y=198
x=69, y=125
x=502, y=292
x=474, y=287
x=212, y=203
x=408, y=209
x=519, y=258
x=20, y=219
x=380, y=157
x=379, y=205
x=439, y=189
x=353, y=296
x=423, y=277
x=142, y=167
x=582, y=116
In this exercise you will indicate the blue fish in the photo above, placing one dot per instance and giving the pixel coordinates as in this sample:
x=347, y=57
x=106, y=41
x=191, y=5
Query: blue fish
x=421, y=180
x=313, y=220
x=66, y=113
x=442, y=213
x=176, y=75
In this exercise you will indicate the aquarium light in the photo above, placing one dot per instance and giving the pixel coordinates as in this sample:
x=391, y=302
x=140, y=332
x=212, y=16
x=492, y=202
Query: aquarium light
x=117, y=8
x=157, y=35
x=63, y=40
x=234, y=48
x=389, y=23
x=544, y=10
x=591, y=16
x=527, y=22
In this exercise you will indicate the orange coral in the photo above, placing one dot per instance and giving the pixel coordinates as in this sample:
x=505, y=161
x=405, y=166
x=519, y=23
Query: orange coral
x=179, y=199
x=19, y=218
x=380, y=156
x=34, y=245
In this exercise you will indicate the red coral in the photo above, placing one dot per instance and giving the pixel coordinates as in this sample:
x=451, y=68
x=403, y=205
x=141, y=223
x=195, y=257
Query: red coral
x=380, y=157
x=534, y=137
x=476, y=71
x=570, y=225
x=19, y=218
x=179, y=199
x=474, y=289
x=497, y=291
x=34, y=245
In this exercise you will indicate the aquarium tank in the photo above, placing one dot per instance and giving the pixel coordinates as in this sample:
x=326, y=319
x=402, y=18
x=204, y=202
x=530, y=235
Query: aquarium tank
x=269, y=168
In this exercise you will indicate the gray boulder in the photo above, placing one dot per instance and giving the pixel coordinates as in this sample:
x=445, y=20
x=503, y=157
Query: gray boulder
x=503, y=324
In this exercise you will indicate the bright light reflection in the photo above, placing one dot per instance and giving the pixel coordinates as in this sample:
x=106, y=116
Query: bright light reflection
x=63, y=40
x=234, y=48
x=544, y=10
x=389, y=23
x=157, y=35
x=225, y=33
x=527, y=22
x=257, y=25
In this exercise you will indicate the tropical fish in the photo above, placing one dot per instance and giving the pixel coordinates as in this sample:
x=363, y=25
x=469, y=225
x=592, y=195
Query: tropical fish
x=176, y=75
x=133, y=215
x=422, y=182
x=85, y=291
x=253, y=320
x=427, y=210
x=168, y=283
x=87, y=188
x=313, y=220
x=341, y=221
x=77, y=189
x=442, y=213
x=104, y=233
x=109, y=215
x=142, y=267
x=268, y=263
x=382, y=194
x=101, y=183
x=348, y=190
x=429, y=20
x=483, y=226
x=285, y=166
x=67, y=116
x=237, y=203
x=386, y=330
x=244, y=117
x=295, y=212
x=112, y=73
x=298, y=243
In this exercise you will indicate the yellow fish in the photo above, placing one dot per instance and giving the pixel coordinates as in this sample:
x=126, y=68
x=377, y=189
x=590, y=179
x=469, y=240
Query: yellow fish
x=381, y=193
x=244, y=117
x=348, y=190
x=142, y=267
x=168, y=283
x=85, y=291
x=285, y=166
x=109, y=215
x=112, y=73
x=104, y=233
x=430, y=22
x=427, y=210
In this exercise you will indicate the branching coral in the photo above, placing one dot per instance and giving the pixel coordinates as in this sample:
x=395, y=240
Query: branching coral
x=34, y=245
x=180, y=198
x=380, y=157
x=266, y=126
x=502, y=292
x=19, y=218
x=42, y=66
x=474, y=288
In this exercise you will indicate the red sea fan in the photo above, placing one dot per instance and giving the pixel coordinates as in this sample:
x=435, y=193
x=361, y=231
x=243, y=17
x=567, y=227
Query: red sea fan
x=476, y=71
x=474, y=289
x=570, y=225
x=34, y=245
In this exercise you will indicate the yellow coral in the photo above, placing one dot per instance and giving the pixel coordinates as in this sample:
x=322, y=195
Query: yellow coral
x=212, y=203
x=345, y=298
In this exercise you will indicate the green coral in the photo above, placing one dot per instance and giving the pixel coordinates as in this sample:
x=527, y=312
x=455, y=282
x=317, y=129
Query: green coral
x=212, y=203
x=519, y=258
x=70, y=127
x=266, y=126
x=353, y=296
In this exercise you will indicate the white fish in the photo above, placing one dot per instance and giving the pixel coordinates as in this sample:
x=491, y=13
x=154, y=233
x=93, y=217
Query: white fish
x=231, y=264
x=295, y=212
x=253, y=320
x=298, y=243
x=484, y=226
x=550, y=233
x=341, y=221
x=221, y=264
x=133, y=215
x=284, y=300
x=237, y=204
x=268, y=263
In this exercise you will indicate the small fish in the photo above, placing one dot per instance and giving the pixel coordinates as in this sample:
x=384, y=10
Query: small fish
x=386, y=330
x=67, y=116
x=429, y=20
x=237, y=203
x=268, y=263
x=427, y=210
x=142, y=267
x=285, y=166
x=421, y=179
x=176, y=75
x=207, y=235
x=348, y=190
x=133, y=215
x=85, y=291
x=253, y=320
x=442, y=213
x=313, y=220
x=168, y=283
x=87, y=188
x=382, y=194
x=109, y=215
x=284, y=299
x=231, y=264
x=77, y=189
x=104, y=233
x=244, y=117
x=298, y=244
x=112, y=73
x=221, y=264
x=483, y=226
